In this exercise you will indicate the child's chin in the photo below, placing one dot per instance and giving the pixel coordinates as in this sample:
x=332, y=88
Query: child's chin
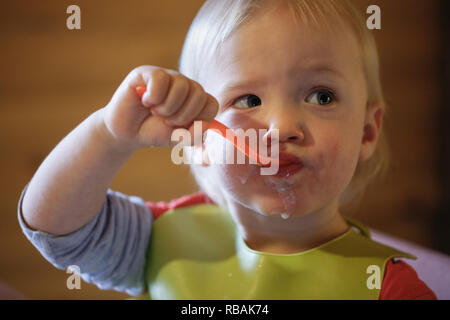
x=275, y=207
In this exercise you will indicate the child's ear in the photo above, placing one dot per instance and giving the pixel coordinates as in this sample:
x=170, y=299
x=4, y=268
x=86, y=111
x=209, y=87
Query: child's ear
x=372, y=128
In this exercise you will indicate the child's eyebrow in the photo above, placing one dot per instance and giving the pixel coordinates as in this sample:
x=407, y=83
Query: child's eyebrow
x=244, y=84
x=294, y=74
x=326, y=69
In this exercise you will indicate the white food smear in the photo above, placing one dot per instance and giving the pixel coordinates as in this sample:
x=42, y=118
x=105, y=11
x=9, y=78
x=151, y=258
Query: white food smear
x=286, y=192
x=250, y=172
x=285, y=215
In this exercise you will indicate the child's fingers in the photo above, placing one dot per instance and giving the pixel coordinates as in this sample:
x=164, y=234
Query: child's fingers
x=157, y=88
x=178, y=91
x=124, y=111
x=191, y=107
x=209, y=112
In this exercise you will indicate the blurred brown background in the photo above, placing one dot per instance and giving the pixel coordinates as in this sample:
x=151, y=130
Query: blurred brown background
x=52, y=78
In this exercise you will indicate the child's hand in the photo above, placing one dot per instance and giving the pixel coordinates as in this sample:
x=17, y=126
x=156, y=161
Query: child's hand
x=171, y=101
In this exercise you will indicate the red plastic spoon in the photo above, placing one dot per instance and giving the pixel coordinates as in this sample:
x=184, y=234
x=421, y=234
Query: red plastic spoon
x=229, y=134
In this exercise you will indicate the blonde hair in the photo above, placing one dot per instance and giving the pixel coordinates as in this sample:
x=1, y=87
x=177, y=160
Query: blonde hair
x=218, y=19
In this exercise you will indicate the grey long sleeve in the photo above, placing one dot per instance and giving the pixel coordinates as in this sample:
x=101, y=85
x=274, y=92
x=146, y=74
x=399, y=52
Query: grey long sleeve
x=110, y=250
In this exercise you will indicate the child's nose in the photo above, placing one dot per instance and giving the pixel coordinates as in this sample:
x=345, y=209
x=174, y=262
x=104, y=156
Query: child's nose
x=289, y=130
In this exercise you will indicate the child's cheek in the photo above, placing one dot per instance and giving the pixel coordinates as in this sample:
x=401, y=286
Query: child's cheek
x=334, y=165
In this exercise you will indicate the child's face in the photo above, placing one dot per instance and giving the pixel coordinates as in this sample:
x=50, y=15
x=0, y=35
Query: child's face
x=311, y=87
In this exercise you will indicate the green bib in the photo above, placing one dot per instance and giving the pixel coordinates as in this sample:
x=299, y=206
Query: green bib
x=197, y=252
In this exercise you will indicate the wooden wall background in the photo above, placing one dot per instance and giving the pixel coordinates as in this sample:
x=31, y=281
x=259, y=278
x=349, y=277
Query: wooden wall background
x=53, y=78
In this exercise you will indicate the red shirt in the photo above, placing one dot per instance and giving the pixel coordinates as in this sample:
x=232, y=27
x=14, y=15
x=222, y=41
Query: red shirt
x=400, y=280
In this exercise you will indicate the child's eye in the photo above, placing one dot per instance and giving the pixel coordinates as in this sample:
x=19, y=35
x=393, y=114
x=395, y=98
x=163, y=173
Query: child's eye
x=321, y=97
x=248, y=101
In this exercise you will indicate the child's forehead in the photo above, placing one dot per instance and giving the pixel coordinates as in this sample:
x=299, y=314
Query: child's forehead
x=273, y=32
x=285, y=47
x=278, y=13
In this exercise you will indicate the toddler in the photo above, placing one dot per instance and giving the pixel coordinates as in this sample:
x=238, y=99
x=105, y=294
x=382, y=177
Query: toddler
x=306, y=71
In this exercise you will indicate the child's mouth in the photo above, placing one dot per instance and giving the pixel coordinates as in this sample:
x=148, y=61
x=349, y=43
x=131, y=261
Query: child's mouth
x=289, y=165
